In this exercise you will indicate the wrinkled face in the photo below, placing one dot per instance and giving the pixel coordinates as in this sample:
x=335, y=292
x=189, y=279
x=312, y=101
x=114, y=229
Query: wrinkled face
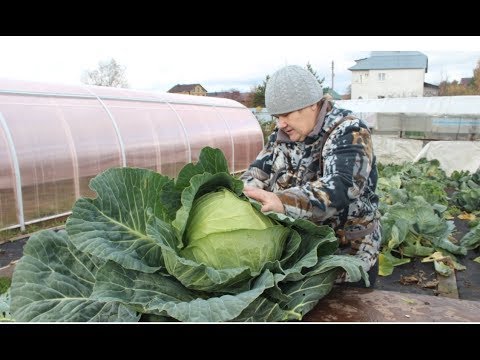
x=299, y=123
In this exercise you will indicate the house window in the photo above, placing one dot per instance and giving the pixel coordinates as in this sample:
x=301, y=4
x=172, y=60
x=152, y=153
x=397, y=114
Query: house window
x=381, y=76
x=361, y=77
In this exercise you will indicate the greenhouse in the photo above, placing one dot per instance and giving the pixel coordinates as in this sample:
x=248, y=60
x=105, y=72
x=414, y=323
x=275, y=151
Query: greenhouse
x=428, y=118
x=55, y=138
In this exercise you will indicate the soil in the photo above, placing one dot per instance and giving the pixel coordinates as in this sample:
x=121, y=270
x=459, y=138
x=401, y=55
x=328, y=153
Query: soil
x=11, y=251
x=468, y=280
x=414, y=278
x=419, y=278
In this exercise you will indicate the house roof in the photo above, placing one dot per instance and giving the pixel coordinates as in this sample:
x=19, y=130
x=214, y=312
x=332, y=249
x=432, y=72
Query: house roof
x=425, y=84
x=184, y=87
x=332, y=93
x=392, y=60
x=234, y=95
x=466, y=81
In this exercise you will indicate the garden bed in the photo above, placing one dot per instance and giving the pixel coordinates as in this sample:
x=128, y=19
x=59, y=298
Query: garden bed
x=415, y=277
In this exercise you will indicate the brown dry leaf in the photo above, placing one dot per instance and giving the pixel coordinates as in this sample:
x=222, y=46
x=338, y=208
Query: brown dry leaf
x=407, y=280
x=466, y=216
x=422, y=275
x=430, y=284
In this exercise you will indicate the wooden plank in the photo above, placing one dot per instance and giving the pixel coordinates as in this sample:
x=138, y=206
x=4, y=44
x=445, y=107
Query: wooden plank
x=349, y=304
x=447, y=286
x=7, y=271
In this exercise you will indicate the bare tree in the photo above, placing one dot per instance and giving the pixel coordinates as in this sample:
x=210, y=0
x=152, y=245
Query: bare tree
x=455, y=88
x=109, y=73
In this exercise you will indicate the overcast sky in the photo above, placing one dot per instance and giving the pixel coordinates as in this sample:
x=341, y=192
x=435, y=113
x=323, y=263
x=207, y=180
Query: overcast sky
x=221, y=63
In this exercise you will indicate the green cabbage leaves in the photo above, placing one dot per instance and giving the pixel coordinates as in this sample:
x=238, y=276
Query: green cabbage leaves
x=225, y=231
x=189, y=249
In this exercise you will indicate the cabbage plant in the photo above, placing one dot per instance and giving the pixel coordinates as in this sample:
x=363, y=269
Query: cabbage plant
x=193, y=248
x=225, y=231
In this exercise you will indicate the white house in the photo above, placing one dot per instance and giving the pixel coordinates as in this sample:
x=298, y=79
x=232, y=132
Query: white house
x=389, y=74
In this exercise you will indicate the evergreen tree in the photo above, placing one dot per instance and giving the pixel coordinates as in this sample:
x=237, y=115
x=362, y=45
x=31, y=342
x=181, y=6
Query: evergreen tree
x=259, y=94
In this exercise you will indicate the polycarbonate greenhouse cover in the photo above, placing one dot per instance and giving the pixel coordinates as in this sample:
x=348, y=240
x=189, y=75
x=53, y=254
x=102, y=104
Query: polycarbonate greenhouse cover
x=55, y=138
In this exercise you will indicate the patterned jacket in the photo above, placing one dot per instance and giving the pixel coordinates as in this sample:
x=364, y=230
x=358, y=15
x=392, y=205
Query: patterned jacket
x=341, y=194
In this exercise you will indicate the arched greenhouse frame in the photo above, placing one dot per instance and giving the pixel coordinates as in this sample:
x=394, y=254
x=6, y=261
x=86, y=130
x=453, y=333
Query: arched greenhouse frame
x=55, y=138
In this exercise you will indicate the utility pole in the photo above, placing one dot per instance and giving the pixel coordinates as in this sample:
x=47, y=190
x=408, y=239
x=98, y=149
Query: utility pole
x=333, y=74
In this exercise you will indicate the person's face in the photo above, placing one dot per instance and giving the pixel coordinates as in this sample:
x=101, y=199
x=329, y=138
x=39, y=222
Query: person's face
x=299, y=123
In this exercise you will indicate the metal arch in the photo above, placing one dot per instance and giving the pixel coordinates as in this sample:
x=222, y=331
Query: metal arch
x=184, y=131
x=231, y=137
x=106, y=97
x=115, y=126
x=16, y=170
x=71, y=146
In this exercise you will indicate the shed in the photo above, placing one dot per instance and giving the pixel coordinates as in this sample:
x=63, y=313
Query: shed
x=54, y=138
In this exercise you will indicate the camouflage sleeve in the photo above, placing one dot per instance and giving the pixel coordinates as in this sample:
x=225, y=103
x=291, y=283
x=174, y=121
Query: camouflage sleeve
x=348, y=157
x=366, y=249
x=258, y=174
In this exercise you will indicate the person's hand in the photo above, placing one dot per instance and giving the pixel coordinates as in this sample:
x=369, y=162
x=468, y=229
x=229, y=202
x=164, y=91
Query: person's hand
x=269, y=201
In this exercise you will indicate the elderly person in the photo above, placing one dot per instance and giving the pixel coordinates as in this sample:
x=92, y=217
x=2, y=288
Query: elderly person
x=318, y=164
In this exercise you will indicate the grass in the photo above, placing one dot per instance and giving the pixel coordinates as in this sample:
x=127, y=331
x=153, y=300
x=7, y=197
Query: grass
x=5, y=283
x=10, y=235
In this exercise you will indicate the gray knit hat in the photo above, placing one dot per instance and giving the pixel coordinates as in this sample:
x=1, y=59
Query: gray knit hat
x=291, y=88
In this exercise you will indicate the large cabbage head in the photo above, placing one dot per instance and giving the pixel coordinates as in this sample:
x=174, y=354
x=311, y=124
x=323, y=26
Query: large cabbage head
x=224, y=231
